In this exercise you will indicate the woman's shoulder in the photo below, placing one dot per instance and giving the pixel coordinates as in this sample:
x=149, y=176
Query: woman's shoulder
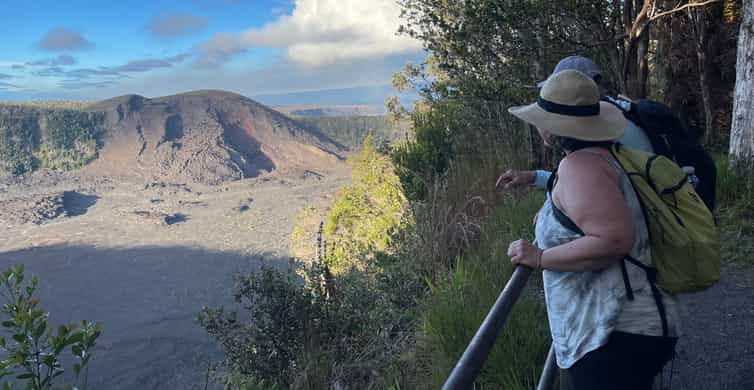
x=582, y=161
x=585, y=169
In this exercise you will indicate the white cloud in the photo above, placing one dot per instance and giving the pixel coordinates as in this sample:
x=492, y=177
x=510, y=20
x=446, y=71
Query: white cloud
x=321, y=32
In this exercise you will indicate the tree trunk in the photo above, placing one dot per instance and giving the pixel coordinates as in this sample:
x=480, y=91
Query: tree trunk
x=700, y=27
x=642, y=56
x=742, y=129
x=635, y=67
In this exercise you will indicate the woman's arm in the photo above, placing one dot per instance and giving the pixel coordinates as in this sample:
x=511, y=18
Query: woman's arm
x=588, y=192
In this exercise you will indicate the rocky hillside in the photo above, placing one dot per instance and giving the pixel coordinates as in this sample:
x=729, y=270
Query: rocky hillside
x=34, y=137
x=204, y=136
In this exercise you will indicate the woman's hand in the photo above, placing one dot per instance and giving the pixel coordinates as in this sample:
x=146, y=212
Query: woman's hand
x=513, y=178
x=525, y=253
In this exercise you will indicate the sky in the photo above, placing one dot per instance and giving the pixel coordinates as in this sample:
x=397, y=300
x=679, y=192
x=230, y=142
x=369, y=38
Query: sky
x=76, y=49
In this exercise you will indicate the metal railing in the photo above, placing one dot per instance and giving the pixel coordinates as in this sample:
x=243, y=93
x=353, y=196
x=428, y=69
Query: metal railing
x=467, y=369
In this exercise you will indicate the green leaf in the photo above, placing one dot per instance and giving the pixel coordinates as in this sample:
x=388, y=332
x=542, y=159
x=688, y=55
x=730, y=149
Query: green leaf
x=20, y=274
x=49, y=360
x=76, y=338
x=9, y=324
x=19, y=338
x=77, y=350
x=25, y=376
x=40, y=330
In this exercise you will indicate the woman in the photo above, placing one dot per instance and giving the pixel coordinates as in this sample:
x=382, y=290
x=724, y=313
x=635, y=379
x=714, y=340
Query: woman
x=602, y=338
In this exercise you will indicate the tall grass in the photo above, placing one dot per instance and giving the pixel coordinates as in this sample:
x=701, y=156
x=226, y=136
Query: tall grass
x=460, y=301
x=735, y=213
x=462, y=230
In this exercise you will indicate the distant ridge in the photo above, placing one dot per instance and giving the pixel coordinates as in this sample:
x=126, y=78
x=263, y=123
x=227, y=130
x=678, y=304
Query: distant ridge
x=368, y=95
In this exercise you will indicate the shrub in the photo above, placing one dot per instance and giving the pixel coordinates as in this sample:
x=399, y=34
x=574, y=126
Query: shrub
x=312, y=333
x=428, y=154
x=33, y=354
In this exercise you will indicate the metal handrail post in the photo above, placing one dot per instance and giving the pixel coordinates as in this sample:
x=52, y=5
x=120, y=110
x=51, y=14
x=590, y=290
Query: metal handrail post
x=547, y=380
x=473, y=358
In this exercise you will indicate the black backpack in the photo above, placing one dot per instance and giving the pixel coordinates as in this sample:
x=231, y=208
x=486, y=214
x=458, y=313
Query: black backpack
x=670, y=138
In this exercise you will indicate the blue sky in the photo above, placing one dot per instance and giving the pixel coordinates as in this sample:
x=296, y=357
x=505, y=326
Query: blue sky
x=98, y=49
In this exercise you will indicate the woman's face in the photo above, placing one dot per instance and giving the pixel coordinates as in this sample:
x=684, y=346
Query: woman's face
x=546, y=137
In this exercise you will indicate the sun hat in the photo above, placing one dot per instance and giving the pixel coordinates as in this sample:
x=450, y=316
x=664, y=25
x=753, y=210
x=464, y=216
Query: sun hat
x=569, y=106
x=582, y=64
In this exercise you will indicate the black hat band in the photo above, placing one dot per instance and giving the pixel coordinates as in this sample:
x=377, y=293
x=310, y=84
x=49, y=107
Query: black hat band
x=564, y=109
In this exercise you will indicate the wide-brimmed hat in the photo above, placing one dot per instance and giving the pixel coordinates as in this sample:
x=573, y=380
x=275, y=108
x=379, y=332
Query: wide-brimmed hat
x=582, y=64
x=569, y=106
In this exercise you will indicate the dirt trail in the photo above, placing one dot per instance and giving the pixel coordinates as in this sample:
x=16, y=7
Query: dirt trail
x=716, y=351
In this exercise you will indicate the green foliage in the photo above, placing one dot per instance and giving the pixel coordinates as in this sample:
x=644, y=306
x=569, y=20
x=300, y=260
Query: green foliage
x=733, y=189
x=429, y=153
x=497, y=50
x=735, y=211
x=461, y=299
x=53, y=104
x=367, y=215
x=351, y=131
x=33, y=352
x=283, y=318
x=311, y=334
x=19, y=137
x=475, y=138
x=32, y=138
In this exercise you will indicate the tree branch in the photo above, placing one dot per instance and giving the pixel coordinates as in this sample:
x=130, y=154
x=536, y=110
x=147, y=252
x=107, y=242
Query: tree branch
x=681, y=8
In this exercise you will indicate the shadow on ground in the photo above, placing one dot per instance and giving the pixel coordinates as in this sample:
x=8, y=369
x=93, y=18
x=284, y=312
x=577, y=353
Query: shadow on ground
x=147, y=299
x=76, y=203
x=176, y=218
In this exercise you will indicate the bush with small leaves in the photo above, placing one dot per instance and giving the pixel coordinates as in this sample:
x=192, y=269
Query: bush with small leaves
x=33, y=352
x=325, y=331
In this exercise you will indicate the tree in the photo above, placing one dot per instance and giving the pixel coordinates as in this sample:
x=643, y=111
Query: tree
x=699, y=19
x=638, y=15
x=742, y=129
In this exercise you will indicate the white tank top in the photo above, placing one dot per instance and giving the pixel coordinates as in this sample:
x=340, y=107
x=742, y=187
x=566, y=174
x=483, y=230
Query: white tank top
x=583, y=308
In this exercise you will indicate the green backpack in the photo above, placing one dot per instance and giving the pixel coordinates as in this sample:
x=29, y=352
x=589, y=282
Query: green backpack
x=682, y=231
